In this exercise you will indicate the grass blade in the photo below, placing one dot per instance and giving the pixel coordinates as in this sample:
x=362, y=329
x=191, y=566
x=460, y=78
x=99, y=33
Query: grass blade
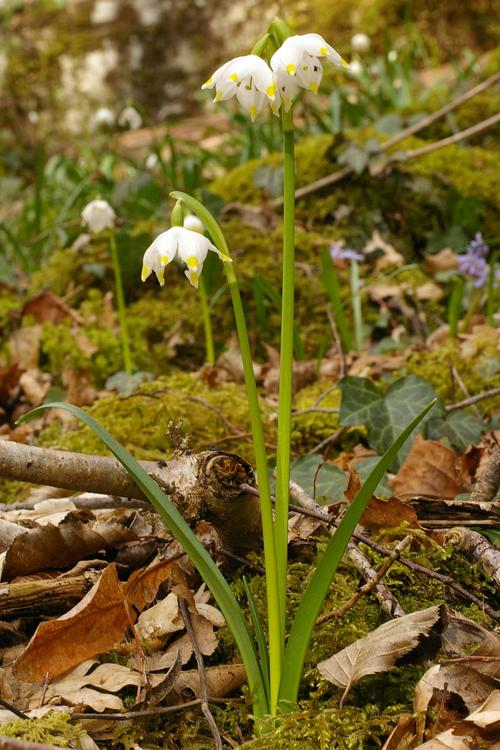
x=314, y=595
x=259, y=634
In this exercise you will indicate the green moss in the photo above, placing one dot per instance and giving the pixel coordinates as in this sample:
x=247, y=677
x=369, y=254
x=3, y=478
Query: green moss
x=474, y=367
x=140, y=421
x=54, y=728
x=310, y=429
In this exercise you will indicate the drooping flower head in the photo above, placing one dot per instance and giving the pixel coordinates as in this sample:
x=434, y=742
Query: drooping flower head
x=338, y=252
x=191, y=247
x=296, y=64
x=98, y=215
x=249, y=78
x=130, y=118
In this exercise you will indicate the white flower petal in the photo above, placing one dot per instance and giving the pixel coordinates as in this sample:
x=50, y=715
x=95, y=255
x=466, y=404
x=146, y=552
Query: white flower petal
x=249, y=78
x=310, y=73
x=98, y=215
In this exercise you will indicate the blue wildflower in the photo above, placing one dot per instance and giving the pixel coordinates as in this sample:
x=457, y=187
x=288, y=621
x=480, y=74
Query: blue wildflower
x=338, y=252
x=478, y=246
x=475, y=267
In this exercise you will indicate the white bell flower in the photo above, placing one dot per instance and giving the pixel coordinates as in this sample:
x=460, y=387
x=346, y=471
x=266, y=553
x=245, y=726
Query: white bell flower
x=193, y=223
x=360, y=42
x=130, y=118
x=98, y=215
x=191, y=247
x=249, y=78
x=296, y=65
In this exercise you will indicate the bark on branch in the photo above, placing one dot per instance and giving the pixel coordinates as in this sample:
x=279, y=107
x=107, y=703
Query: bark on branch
x=203, y=485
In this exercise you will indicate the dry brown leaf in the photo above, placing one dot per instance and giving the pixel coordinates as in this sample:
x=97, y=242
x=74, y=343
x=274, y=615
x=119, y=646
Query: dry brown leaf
x=25, y=346
x=94, y=625
x=480, y=729
x=444, y=260
x=221, y=681
x=35, y=385
x=431, y=470
x=451, y=681
x=380, y=650
x=403, y=735
x=47, y=308
x=390, y=257
x=78, y=389
x=380, y=514
x=75, y=688
x=463, y=637
x=161, y=620
x=58, y=546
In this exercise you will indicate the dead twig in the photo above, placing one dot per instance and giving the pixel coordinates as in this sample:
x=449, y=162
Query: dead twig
x=456, y=376
x=486, y=487
x=157, y=711
x=327, y=442
x=205, y=708
x=339, y=175
x=10, y=743
x=473, y=400
x=369, y=585
x=13, y=709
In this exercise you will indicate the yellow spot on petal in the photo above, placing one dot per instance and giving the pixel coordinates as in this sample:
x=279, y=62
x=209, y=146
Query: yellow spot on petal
x=252, y=111
x=192, y=262
x=207, y=83
x=291, y=69
x=271, y=91
x=313, y=86
x=344, y=63
x=233, y=77
x=144, y=273
x=164, y=260
x=218, y=96
x=323, y=51
x=193, y=279
x=161, y=277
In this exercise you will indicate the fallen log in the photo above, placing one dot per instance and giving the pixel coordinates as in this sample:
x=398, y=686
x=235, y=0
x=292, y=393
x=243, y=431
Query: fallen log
x=202, y=486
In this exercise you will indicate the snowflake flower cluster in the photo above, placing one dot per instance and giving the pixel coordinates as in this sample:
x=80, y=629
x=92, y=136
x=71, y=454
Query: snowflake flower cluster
x=255, y=84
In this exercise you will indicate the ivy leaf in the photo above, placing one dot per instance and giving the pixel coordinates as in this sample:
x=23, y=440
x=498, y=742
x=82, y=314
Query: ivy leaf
x=384, y=415
x=320, y=480
x=460, y=427
x=354, y=157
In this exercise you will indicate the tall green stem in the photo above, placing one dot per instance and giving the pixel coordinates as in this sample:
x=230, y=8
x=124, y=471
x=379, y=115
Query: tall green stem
x=272, y=583
x=120, y=301
x=286, y=366
x=207, y=324
x=356, y=306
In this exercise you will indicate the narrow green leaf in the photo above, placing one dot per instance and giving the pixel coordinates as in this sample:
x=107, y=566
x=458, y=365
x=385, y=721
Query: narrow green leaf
x=191, y=545
x=259, y=636
x=331, y=284
x=314, y=595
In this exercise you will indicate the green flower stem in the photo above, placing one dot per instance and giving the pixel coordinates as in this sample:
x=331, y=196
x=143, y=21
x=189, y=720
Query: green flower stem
x=207, y=324
x=474, y=304
x=356, y=306
x=120, y=301
x=274, y=621
x=286, y=368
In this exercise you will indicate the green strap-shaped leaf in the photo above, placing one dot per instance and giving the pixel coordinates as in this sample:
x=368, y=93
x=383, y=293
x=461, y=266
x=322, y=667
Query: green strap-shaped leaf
x=191, y=545
x=314, y=595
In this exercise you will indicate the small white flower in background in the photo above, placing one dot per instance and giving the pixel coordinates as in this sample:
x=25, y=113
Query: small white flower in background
x=249, y=78
x=360, y=43
x=356, y=68
x=151, y=161
x=191, y=247
x=193, y=223
x=392, y=56
x=98, y=215
x=33, y=117
x=130, y=118
x=104, y=117
x=297, y=65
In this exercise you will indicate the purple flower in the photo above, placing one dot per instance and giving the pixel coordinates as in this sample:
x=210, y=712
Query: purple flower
x=474, y=266
x=478, y=246
x=338, y=252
